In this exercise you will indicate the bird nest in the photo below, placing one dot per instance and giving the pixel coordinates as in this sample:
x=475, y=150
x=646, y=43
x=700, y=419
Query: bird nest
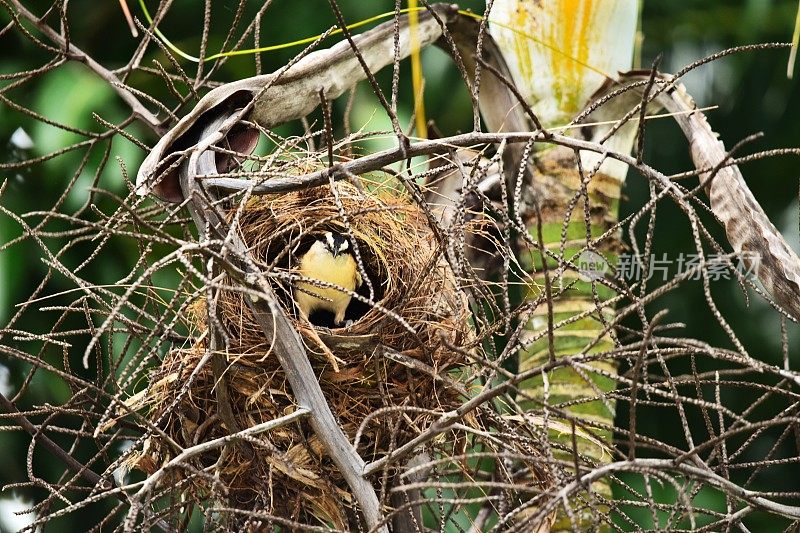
x=393, y=370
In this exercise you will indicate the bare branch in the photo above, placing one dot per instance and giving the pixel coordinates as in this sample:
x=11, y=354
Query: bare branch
x=73, y=52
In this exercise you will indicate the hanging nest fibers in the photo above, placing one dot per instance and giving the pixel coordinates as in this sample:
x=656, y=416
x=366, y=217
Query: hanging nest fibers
x=420, y=311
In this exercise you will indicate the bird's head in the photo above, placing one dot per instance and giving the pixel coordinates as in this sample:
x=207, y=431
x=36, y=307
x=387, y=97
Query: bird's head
x=336, y=243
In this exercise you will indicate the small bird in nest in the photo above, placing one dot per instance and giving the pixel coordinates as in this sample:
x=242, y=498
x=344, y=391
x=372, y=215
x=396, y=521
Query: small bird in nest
x=330, y=260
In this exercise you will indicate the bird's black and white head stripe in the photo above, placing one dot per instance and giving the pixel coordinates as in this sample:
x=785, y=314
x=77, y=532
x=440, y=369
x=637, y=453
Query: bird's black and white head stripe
x=336, y=243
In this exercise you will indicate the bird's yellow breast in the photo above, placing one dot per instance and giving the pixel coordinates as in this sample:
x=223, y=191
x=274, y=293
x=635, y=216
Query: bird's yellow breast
x=320, y=265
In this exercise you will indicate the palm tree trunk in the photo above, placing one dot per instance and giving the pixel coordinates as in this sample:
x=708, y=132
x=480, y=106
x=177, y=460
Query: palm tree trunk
x=560, y=53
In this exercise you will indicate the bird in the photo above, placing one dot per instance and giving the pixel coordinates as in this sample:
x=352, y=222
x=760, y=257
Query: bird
x=330, y=260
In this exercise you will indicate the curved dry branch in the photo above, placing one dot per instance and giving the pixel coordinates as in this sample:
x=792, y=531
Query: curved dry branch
x=291, y=93
x=749, y=229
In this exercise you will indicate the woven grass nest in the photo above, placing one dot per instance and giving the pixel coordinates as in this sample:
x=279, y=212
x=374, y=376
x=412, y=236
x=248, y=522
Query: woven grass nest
x=420, y=313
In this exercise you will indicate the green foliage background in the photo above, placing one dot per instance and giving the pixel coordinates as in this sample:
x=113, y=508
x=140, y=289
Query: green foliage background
x=751, y=90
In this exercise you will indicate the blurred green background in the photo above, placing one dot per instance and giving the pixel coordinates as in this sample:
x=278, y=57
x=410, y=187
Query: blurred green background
x=751, y=90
